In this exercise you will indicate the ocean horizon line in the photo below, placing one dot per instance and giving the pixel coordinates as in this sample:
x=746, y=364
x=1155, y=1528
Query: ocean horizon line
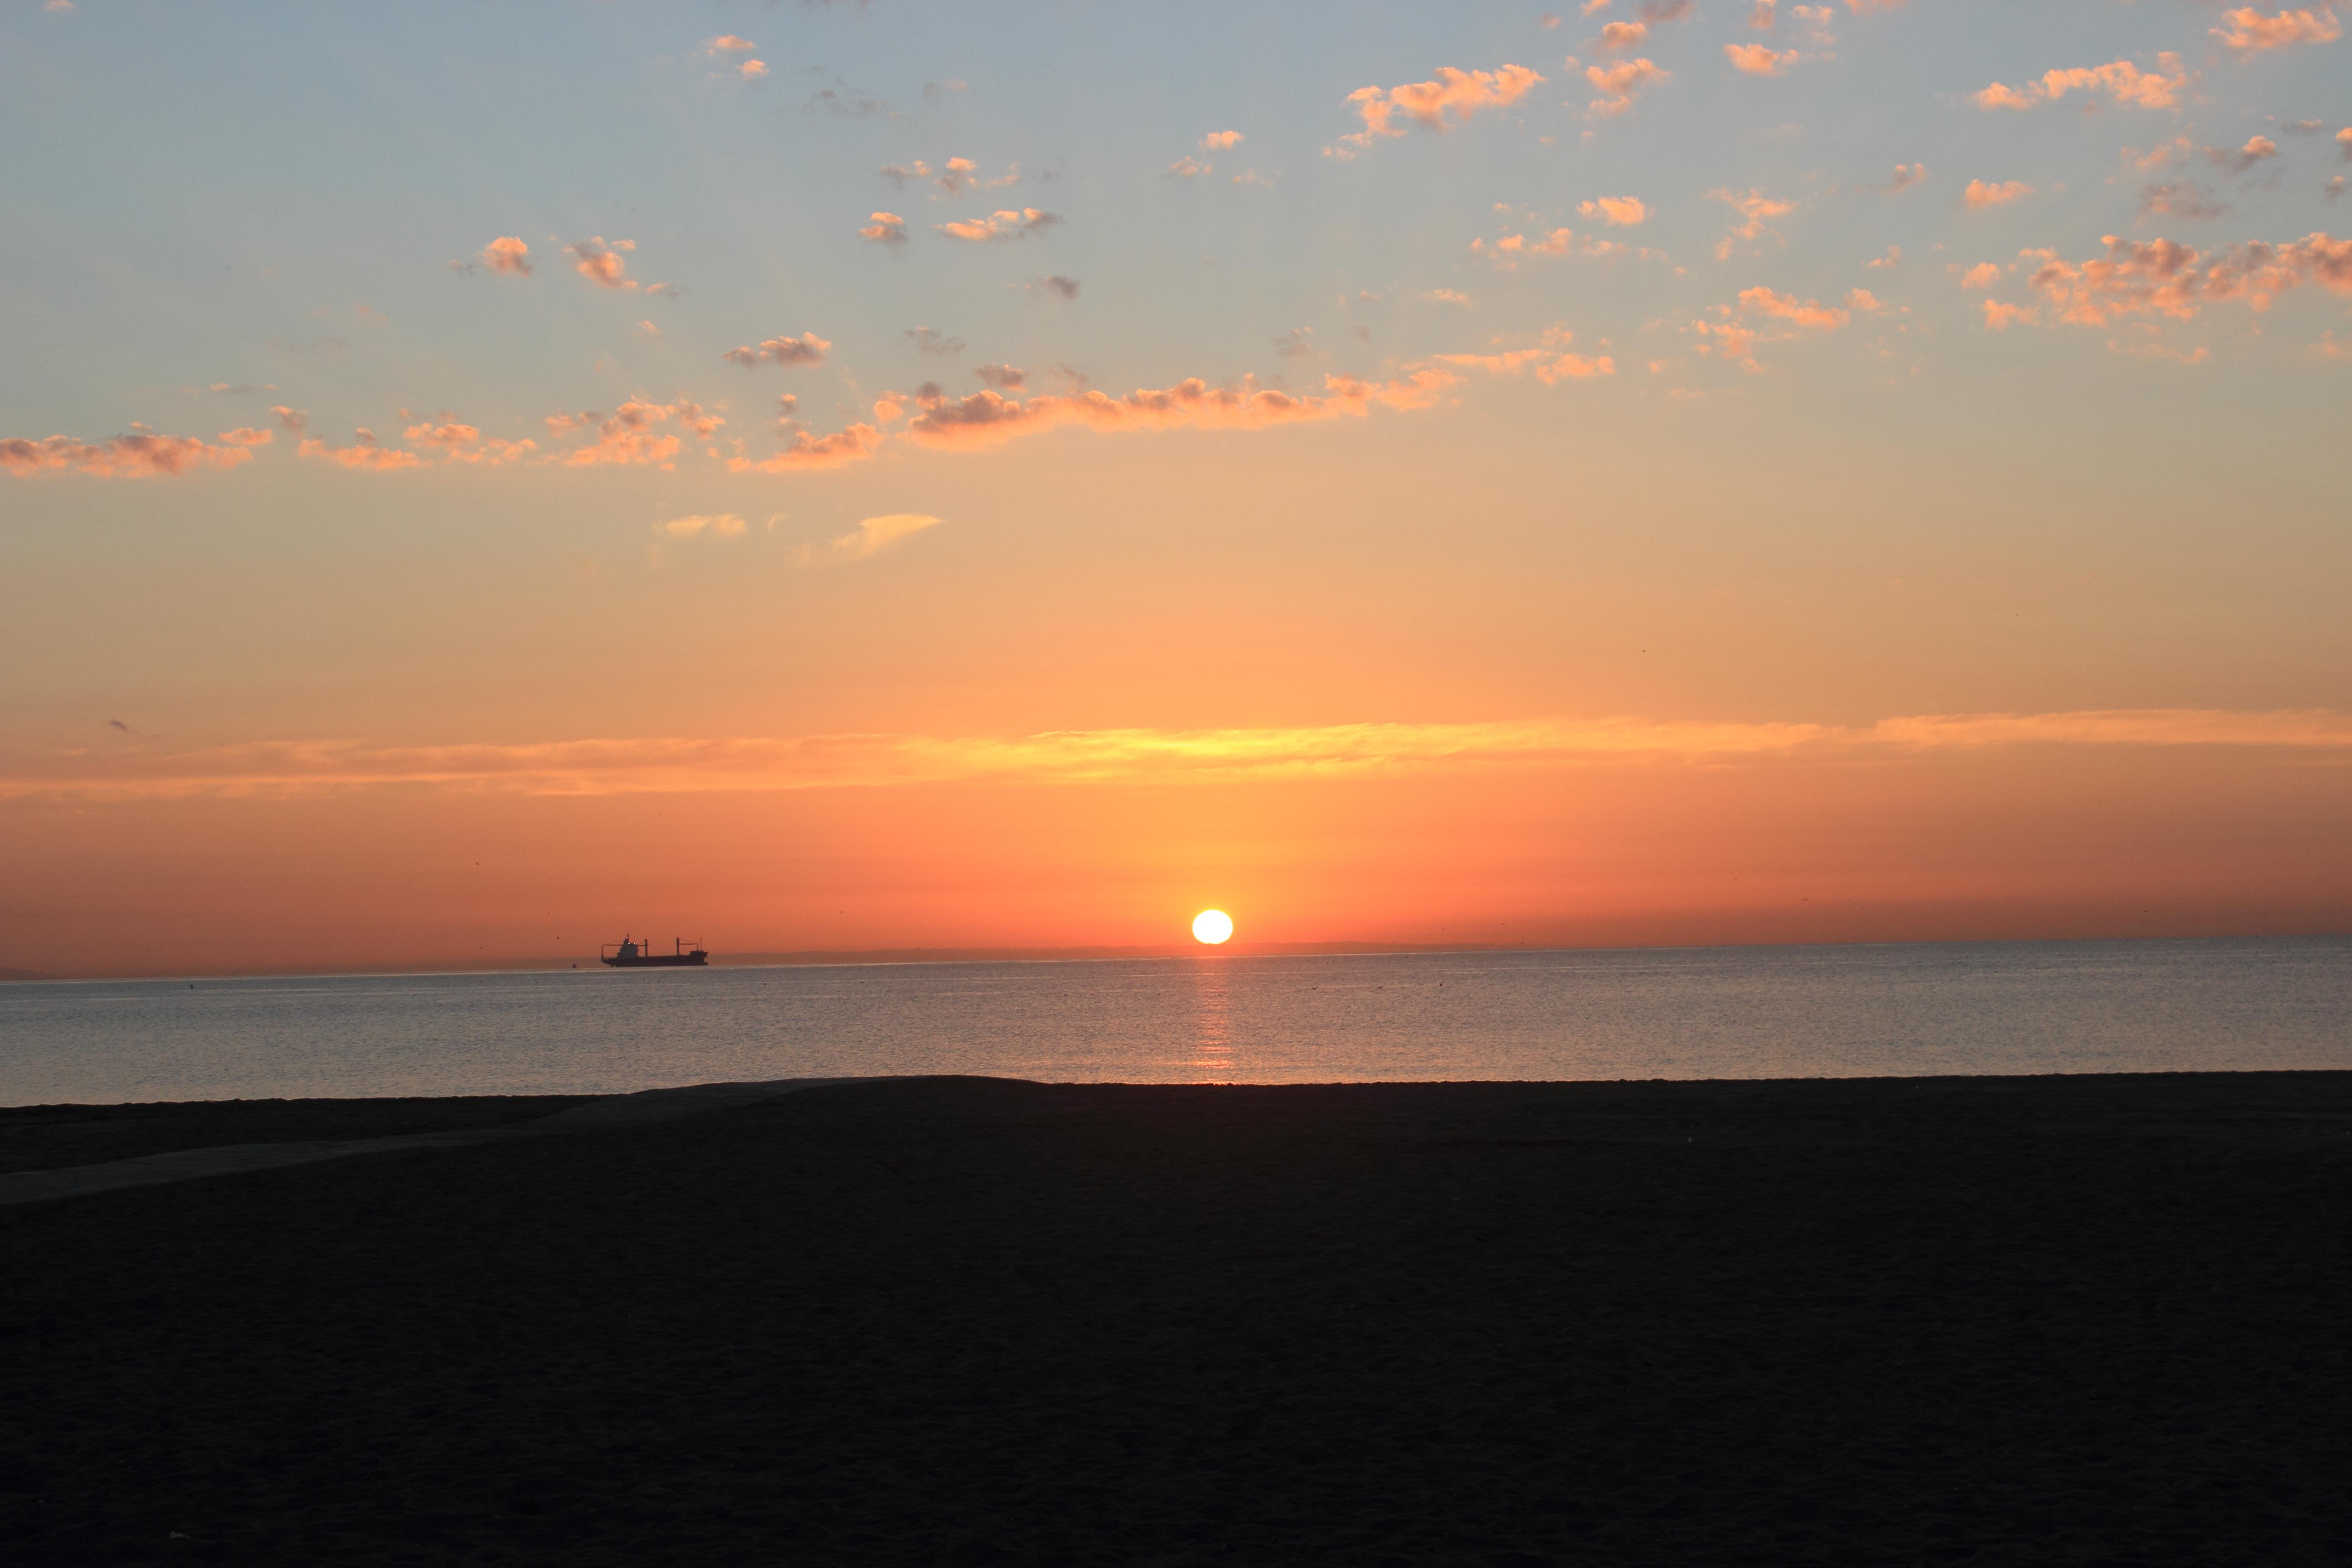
x=853, y=958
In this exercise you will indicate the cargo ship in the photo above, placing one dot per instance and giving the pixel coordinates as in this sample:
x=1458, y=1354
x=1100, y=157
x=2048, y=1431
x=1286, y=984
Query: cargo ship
x=630, y=954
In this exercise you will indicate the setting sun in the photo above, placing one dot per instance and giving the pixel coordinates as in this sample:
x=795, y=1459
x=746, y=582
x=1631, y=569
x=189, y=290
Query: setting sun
x=1213, y=926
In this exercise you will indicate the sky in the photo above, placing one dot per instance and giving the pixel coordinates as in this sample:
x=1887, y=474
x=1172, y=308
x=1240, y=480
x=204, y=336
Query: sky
x=835, y=478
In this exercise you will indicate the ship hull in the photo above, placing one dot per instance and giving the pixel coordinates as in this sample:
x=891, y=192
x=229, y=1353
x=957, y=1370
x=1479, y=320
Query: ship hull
x=661, y=960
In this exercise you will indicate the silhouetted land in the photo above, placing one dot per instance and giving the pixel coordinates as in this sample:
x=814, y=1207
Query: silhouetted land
x=2053, y=1321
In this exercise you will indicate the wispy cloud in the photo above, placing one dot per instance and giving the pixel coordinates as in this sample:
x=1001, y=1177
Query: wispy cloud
x=141, y=455
x=868, y=539
x=808, y=349
x=987, y=418
x=885, y=228
x=1005, y=224
x=682, y=766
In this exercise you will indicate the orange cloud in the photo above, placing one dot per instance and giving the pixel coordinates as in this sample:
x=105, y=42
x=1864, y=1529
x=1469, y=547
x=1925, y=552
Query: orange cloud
x=807, y=349
x=986, y=418
x=627, y=438
x=1452, y=99
x=601, y=263
x=1759, y=59
x=1509, y=249
x=1979, y=194
x=1983, y=275
x=1623, y=211
x=1618, y=84
x=508, y=255
x=459, y=442
x=246, y=435
x=666, y=765
x=1998, y=316
x=1616, y=37
x=2165, y=278
x=2249, y=31
x=1788, y=307
x=1220, y=141
x=1756, y=212
x=141, y=455
x=2121, y=80
x=836, y=450
x=1007, y=224
x=365, y=452
x=886, y=228
x=2256, y=150
x=728, y=43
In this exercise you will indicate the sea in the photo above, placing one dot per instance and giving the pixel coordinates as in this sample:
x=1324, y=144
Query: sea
x=1685, y=1013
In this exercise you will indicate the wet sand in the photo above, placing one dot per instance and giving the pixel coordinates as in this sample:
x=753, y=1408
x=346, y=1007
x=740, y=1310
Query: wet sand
x=2013, y=1321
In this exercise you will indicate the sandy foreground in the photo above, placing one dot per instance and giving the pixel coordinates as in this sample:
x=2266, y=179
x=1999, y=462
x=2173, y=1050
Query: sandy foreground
x=1993, y=1320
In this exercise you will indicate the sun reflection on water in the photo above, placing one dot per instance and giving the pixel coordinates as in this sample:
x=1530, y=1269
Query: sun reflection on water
x=1213, y=1046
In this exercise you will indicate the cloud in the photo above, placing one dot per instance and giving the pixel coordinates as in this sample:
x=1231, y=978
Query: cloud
x=1220, y=141
x=2178, y=199
x=1619, y=84
x=1446, y=296
x=1862, y=300
x=1190, y=168
x=1983, y=275
x=1003, y=377
x=365, y=452
x=141, y=455
x=955, y=178
x=459, y=442
x=1759, y=59
x=837, y=450
x=505, y=255
x=714, y=525
x=679, y=765
x=1906, y=175
x=1618, y=38
x=752, y=70
x=2256, y=150
x=1761, y=17
x=1006, y=225
x=1788, y=307
x=628, y=438
x=1295, y=344
x=601, y=263
x=1550, y=364
x=2121, y=80
x=808, y=349
x=729, y=44
x=1998, y=315
x=1892, y=258
x=930, y=341
x=295, y=420
x=1622, y=211
x=1509, y=249
x=1061, y=287
x=985, y=418
x=1452, y=99
x=2165, y=278
x=2249, y=31
x=869, y=539
x=1756, y=212
x=1980, y=195
x=886, y=228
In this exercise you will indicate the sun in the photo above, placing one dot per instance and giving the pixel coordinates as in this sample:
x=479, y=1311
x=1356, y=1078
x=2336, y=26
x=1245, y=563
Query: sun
x=1212, y=926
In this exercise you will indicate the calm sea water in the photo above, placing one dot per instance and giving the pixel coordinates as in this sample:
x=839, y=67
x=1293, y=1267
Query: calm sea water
x=1999, y=1007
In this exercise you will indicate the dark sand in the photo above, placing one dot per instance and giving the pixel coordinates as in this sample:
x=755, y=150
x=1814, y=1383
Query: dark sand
x=2053, y=1321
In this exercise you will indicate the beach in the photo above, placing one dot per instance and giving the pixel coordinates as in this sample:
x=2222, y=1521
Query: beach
x=2077, y=1319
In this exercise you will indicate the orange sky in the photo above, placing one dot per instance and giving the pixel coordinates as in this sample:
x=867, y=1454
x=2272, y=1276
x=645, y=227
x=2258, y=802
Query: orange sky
x=1692, y=475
